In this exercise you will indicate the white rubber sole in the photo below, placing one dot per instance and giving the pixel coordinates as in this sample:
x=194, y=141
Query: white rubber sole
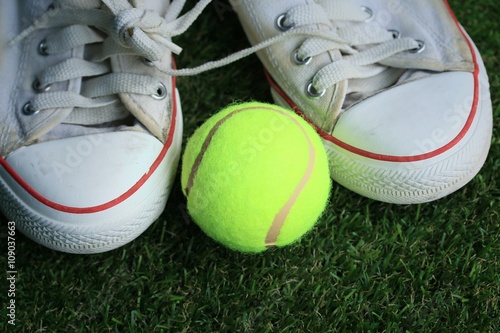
x=104, y=228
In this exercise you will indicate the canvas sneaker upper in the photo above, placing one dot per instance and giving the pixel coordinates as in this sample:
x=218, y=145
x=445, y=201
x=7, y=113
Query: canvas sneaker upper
x=90, y=120
x=397, y=89
x=85, y=67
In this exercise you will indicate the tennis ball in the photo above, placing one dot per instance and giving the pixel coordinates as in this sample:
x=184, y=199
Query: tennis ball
x=255, y=175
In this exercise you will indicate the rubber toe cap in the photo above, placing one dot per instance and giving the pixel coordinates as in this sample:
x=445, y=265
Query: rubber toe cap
x=413, y=119
x=86, y=171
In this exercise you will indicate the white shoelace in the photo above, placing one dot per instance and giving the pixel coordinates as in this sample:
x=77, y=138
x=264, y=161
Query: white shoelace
x=121, y=30
x=135, y=31
x=364, y=48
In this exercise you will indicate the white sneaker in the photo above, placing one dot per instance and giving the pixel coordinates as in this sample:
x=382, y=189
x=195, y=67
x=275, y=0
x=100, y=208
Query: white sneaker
x=397, y=89
x=91, y=126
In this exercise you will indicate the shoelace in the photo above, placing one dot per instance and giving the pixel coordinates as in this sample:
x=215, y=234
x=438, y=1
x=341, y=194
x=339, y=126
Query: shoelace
x=364, y=48
x=127, y=30
x=144, y=33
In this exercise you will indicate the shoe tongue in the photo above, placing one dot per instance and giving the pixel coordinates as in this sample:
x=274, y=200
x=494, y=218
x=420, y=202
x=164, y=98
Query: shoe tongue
x=154, y=116
x=151, y=113
x=148, y=111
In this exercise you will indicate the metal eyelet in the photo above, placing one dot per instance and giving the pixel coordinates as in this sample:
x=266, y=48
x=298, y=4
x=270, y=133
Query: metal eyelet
x=37, y=87
x=368, y=11
x=395, y=34
x=147, y=62
x=42, y=48
x=161, y=92
x=280, y=23
x=313, y=92
x=299, y=61
x=28, y=110
x=419, y=48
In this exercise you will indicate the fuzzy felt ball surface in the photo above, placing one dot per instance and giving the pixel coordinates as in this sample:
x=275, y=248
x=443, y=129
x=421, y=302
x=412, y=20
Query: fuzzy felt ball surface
x=255, y=176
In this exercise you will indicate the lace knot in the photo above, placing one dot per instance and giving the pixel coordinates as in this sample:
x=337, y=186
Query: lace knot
x=144, y=31
x=126, y=22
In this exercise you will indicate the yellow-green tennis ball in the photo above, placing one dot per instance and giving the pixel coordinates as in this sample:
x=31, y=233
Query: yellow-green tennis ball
x=255, y=175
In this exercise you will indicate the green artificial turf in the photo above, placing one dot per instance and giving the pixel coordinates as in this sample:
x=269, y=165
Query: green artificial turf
x=366, y=267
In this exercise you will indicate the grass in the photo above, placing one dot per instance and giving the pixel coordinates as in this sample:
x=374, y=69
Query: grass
x=367, y=266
